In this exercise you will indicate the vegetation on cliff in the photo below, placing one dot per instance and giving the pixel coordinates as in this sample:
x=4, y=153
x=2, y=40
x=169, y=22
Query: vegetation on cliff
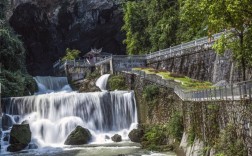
x=15, y=81
x=185, y=82
x=151, y=25
x=117, y=82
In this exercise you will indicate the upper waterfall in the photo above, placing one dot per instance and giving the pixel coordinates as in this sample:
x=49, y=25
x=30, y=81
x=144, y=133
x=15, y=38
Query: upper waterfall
x=102, y=82
x=48, y=84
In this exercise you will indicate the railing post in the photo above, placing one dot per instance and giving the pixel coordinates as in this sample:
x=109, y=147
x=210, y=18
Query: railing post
x=240, y=91
x=232, y=91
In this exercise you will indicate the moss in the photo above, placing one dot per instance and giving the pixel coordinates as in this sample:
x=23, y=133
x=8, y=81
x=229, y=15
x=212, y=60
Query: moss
x=229, y=143
x=117, y=82
x=93, y=75
x=175, y=126
x=186, y=82
x=156, y=138
x=191, y=135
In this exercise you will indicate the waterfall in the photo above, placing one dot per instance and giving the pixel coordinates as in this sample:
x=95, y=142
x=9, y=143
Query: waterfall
x=102, y=82
x=53, y=116
x=48, y=84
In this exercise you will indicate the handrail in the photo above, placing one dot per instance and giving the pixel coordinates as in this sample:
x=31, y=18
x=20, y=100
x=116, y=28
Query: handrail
x=236, y=91
x=172, y=51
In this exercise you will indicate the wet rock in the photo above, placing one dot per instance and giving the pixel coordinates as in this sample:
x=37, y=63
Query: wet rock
x=20, y=134
x=6, y=138
x=136, y=134
x=15, y=147
x=25, y=122
x=6, y=122
x=32, y=146
x=116, y=138
x=20, y=137
x=107, y=137
x=78, y=136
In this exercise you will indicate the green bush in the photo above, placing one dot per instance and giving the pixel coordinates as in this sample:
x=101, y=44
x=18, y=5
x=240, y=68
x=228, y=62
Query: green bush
x=93, y=75
x=150, y=92
x=155, y=137
x=117, y=82
x=16, y=84
x=175, y=126
x=191, y=135
x=229, y=143
x=71, y=54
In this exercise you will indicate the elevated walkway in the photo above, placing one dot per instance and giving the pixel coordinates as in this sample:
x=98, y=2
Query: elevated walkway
x=236, y=91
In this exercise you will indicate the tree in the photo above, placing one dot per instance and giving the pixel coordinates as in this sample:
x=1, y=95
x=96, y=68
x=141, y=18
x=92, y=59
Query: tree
x=216, y=16
x=150, y=25
x=71, y=54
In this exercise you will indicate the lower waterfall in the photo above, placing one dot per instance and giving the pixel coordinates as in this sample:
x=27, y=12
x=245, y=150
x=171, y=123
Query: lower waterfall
x=53, y=116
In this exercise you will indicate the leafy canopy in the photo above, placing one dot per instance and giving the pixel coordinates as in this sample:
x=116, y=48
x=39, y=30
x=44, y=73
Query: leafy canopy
x=71, y=54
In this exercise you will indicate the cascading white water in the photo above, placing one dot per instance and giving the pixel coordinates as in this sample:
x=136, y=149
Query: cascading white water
x=102, y=82
x=53, y=116
x=48, y=84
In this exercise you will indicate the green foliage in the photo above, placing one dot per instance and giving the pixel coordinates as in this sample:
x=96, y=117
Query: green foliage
x=117, y=82
x=150, y=25
x=11, y=50
x=16, y=84
x=191, y=135
x=156, y=138
x=3, y=8
x=71, y=54
x=229, y=143
x=216, y=16
x=94, y=75
x=13, y=77
x=175, y=126
x=150, y=92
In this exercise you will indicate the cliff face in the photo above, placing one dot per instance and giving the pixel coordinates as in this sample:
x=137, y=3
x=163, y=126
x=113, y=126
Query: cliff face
x=48, y=27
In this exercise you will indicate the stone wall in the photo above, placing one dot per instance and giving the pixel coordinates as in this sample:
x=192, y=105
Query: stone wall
x=204, y=122
x=167, y=103
x=205, y=65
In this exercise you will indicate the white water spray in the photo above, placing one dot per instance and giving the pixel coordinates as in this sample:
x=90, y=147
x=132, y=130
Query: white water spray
x=53, y=116
x=102, y=82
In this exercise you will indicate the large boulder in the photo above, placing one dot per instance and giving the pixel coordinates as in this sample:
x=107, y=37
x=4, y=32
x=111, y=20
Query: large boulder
x=20, y=137
x=78, y=136
x=15, y=147
x=116, y=138
x=136, y=134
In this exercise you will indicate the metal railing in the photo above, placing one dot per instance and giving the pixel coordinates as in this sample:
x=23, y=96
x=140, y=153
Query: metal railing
x=236, y=91
x=172, y=51
x=177, y=50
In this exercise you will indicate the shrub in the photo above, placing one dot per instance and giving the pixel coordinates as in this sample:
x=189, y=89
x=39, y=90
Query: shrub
x=150, y=92
x=229, y=143
x=17, y=84
x=175, y=126
x=117, y=82
x=71, y=54
x=155, y=137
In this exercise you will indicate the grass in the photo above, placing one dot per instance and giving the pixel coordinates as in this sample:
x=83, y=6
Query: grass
x=186, y=82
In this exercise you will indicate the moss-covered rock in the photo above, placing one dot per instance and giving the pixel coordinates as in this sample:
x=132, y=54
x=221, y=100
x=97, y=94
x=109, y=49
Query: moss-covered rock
x=15, y=147
x=136, y=134
x=78, y=136
x=20, y=134
x=20, y=137
x=117, y=82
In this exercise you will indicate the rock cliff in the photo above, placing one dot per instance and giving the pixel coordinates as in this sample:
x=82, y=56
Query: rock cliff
x=48, y=27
